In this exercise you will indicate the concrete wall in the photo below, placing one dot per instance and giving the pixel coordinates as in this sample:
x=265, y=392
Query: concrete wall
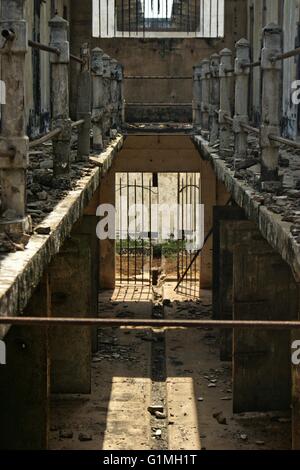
x=286, y=14
x=158, y=57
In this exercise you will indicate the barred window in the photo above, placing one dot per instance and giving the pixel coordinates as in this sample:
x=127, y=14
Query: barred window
x=158, y=18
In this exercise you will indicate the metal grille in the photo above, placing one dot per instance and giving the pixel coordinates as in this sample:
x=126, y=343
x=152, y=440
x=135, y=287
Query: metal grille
x=189, y=201
x=158, y=18
x=158, y=229
x=134, y=239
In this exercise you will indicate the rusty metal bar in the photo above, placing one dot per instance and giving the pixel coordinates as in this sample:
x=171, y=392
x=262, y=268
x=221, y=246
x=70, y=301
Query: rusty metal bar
x=156, y=77
x=284, y=141
x=52, y=134
x=228, y=119
x=249, y=129
x=158, y=104
x=287, y=55
x=251, y=65
x=197, y=254
x=77, y=59
x=151, y=323
x=45, y=138
x=43, y=47
x=77, y=123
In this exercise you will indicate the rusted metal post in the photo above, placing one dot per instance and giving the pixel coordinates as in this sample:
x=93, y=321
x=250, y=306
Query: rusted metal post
x=271, y=93
x=197, y=96
x=242, y=74
x=214, y=97
x=205, y=96
x=14, y=142
x=84, y=105
x=98, y=98
x=60, y=99
x=225, y=101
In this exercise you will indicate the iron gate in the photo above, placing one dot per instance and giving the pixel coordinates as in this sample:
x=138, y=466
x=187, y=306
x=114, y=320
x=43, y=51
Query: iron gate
x=147, y=251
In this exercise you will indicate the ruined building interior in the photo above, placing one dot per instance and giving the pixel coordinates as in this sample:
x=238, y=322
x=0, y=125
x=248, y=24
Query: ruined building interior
x=118, y=332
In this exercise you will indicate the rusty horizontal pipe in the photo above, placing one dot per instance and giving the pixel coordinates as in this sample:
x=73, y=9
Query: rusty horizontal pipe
x=163, y=105
x=287, y=55
x=77, y=59
x=249, y=129
x=156, y=77
x=251, y=65
x=150, y=323
x=77, y=123
x=43, y=47
x=228, y=119
x=282, y=140
x=45, y=138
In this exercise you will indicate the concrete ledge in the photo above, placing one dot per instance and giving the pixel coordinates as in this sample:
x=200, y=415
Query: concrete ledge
x=271, y=226
x=21, y=272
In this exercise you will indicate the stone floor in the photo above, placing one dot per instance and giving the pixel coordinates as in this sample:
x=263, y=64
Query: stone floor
x=192, y=386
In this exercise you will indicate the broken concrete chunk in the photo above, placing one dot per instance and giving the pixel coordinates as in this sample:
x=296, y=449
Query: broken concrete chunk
x=66, y=434
x=84, y=437
x=220, y=418
x=43, y=230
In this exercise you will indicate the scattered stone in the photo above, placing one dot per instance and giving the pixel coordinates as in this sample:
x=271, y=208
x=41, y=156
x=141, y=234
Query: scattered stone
x=66, y=434
x=244, y=437
x=158, y=433
x=160, y=415
x=220, y=418
x=84, y=437
x=42, y=196
x=211, y=385
x=200, y=399
x=260, y=443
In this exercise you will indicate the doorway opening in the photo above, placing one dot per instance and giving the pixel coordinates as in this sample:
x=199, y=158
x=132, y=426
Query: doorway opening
x=159, y=230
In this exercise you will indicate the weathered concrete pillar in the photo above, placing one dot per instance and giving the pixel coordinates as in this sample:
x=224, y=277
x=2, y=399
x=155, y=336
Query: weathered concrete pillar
x=242, y=75
x=98, y=98
x=225, y=101
x=114, y=91
x=205, y=95
x=263, y=289
x=89, y=225
x=107, y=264
x=214, y=97
x=71, y=285
x=25, y=380
x=296, y=390
x=107, y=77
x=13, y=142
x=59, y=30
x=296, y=382
x=84, y=105
x=197, y=97
x=271, y=96
x=230, y=229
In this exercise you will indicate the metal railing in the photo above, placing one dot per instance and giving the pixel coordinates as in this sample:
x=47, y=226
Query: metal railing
x=212, y=110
